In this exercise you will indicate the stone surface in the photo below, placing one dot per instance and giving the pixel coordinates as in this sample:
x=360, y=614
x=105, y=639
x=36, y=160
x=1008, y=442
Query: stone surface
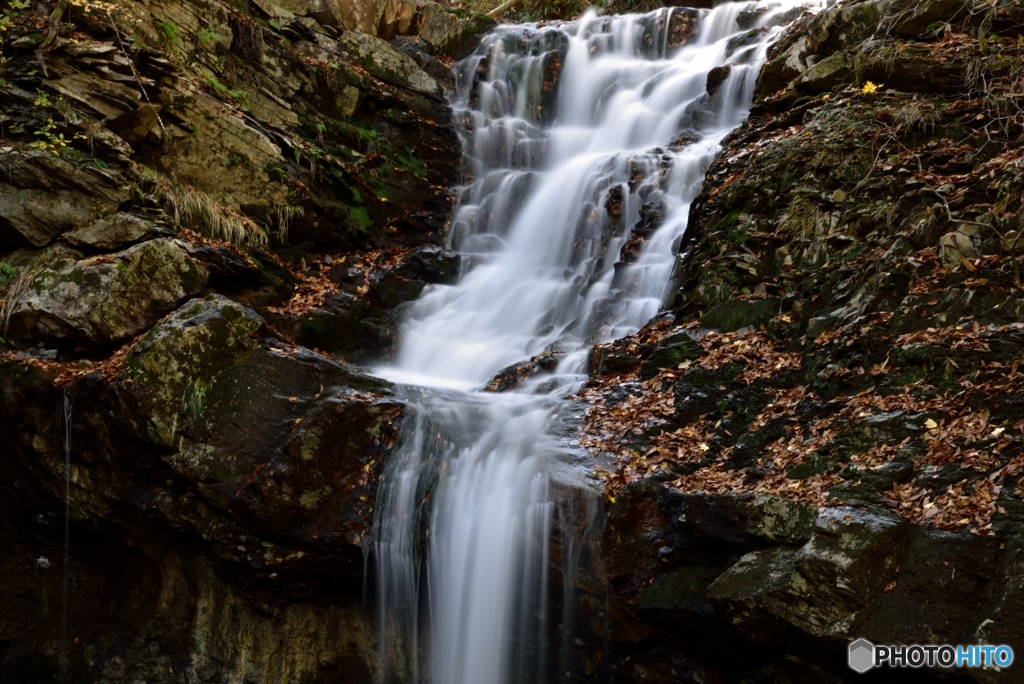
x=42, y=196
x=101, y=300
x=386, y=63
x=109, y=233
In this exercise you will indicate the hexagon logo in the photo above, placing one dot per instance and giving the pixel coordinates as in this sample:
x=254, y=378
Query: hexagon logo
x=862, y=655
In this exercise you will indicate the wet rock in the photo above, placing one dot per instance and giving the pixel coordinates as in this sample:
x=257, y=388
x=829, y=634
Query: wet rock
x=781, y=520
x=682, y=24
x=388, y=289
x=345, y=325
x=670, y=352
x=716, y=77
x=111, y=233
x=431, y=264
x=748, y=18
x=608, y=358
x=43, y=196
x=781, y=69
x=101, y=300
x=819, y=589
x=516, y=374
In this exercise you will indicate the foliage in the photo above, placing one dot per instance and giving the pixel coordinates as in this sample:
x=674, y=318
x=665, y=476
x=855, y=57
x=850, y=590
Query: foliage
x=7, y=273
x=51, y=141
x=7, y=19
x=870, y=88
x=170, y=32
x=221, y=221
x=360, y=217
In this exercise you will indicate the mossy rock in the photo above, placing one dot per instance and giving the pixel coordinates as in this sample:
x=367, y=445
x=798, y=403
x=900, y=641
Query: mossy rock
x=670, y=352
x=98, y=301
x=185, y=352
x=736, y=314
x=782, y=520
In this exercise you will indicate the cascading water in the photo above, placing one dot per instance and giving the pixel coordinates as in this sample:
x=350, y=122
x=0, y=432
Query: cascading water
x=585, y=144
x=65, y=410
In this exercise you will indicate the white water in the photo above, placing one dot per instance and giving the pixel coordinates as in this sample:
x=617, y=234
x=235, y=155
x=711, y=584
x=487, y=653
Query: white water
x=481, y=482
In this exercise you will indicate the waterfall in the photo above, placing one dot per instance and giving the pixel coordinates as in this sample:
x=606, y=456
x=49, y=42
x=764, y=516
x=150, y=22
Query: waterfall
x=585, y=143
x=65, y=411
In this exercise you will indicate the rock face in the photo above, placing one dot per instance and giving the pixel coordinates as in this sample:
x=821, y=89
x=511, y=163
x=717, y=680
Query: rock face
x=222, y=478
x=821, y=440
x=42, y=196
x=221, y=486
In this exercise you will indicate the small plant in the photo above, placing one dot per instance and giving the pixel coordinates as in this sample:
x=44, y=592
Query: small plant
x=222, y=222
x=360, y=217
x=51, y=141
x=7, y=19
x=7, y=273
x=219, y=88
x=408, y=160
x=209, y=38
x=284, y=214
x=276, y=172
x=15, y=289
x=194, y=398
x=170, y=32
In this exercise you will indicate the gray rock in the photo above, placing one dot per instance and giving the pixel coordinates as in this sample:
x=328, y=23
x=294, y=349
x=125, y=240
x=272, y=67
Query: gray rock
x=817, y=590
x=110, y=233
x=191, y=346
x=105, y=299
x=834, y=70
x=382, y=60
x=781, y=520
x=909, y=20
x=43, y=196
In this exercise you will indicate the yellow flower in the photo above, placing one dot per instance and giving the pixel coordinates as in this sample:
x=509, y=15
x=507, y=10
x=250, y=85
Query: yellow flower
x=870, y=88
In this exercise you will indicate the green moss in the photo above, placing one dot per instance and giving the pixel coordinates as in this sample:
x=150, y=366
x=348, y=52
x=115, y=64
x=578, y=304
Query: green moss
x=360, y=217
x=170, y=32
x=7, y=273
x=408, y=160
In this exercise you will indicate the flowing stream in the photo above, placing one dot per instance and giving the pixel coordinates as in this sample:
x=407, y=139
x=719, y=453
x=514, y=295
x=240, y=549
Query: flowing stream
x=585, y=143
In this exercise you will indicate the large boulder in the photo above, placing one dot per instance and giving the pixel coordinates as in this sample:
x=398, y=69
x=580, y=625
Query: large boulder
x=222, y=486
x=101, y=300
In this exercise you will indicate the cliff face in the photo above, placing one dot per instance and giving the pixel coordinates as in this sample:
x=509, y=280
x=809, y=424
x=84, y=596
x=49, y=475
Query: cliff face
x=824, y=438
x=220, y=479
x=829, y=433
